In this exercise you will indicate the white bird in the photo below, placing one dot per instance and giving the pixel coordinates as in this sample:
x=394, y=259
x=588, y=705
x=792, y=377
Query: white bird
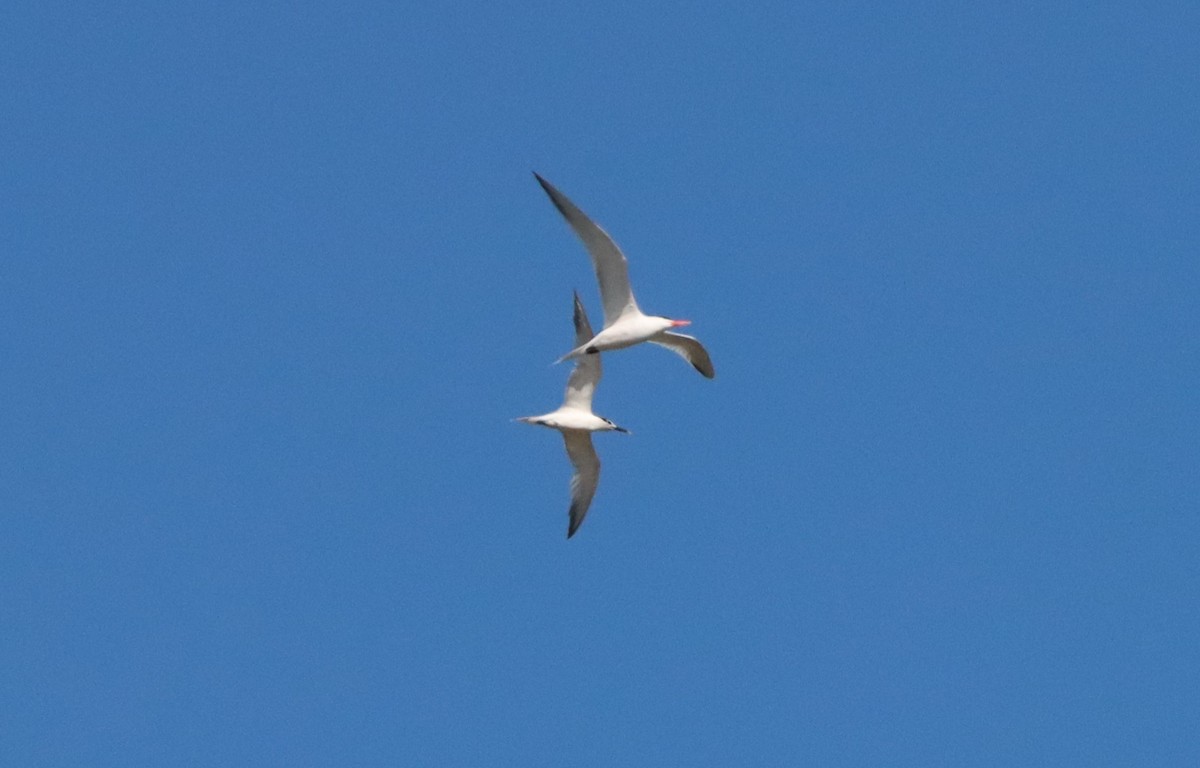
x=624, y=324
x=577, y=423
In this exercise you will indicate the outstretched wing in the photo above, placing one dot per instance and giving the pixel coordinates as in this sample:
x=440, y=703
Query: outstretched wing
x=612, y=270
x=586, y=478
x=586, y=375
x=687, y=347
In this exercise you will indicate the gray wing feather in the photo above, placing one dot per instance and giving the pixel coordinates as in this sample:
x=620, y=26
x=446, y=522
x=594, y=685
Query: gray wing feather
x=612, y=269
x=581, y=384
x=687, y=347
x=586, y=478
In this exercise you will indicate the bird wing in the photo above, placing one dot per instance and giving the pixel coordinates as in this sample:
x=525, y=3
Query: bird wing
x=612, y=270
x=687, y=347
x=585, y=479
x=586, y=375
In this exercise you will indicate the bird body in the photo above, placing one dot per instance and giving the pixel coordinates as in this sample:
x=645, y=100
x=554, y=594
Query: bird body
x=571, y=418
x=632, y=329
x=624, y=322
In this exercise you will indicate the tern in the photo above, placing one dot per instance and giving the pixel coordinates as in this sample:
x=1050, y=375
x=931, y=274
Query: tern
x=624, y=324
x=577, y=423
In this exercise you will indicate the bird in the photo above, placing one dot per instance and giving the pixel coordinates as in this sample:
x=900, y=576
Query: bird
x=575, y=420
x=624, y=323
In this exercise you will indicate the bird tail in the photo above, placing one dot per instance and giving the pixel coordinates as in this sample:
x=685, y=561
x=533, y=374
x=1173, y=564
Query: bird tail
x=574, y=353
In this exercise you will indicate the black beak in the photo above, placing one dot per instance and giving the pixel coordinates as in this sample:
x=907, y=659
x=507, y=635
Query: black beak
x=621, y=429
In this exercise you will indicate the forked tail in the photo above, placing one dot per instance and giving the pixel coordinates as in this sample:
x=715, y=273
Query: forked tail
x=574, y=353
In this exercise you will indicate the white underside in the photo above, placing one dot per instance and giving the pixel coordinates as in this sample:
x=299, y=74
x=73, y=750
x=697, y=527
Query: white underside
x=570, y=418
x=626, y=332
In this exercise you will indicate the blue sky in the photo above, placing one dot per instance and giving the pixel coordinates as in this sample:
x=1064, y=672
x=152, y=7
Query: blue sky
x=276, y=278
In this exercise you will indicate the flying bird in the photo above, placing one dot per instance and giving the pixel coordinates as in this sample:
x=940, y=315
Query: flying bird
x=624, y=324
x=577, y=423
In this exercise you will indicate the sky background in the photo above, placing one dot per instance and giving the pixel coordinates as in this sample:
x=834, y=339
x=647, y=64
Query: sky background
x=275, y=278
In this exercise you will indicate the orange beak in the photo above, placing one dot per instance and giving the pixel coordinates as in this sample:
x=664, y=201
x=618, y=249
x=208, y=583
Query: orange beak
x=678, y=323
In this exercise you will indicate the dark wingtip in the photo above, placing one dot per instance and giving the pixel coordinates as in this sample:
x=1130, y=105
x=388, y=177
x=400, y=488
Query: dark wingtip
x=574, y=520
x=577, y=314
x=556, y=197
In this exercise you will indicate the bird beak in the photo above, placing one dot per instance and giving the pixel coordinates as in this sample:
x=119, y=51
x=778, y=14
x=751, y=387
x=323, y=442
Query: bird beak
x=622, y=429
x=678, y=323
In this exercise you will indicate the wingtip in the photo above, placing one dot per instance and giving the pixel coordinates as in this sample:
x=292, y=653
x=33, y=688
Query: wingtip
x=558, y=198
x=575, y=518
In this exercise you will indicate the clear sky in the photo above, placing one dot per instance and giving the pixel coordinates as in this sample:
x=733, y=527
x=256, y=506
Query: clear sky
x=275, y=278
